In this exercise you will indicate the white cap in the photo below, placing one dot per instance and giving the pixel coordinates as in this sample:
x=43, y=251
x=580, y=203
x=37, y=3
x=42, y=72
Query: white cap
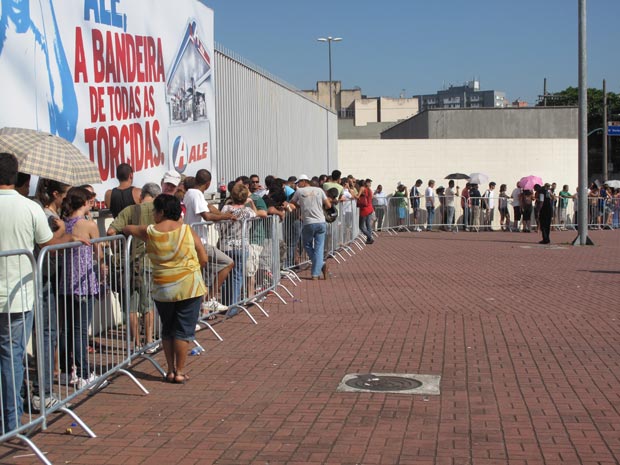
x=302, y=177
x=172, y=177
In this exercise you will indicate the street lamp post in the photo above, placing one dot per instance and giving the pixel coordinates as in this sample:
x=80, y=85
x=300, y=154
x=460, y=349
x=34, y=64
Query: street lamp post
x=329, y=41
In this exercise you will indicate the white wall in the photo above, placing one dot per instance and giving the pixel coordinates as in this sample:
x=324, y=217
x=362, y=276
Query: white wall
x=387, y=162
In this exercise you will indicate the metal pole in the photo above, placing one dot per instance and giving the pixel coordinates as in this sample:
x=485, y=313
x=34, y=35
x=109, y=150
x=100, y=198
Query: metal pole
x=329, y=46
x=605, y=155
x=582, y=196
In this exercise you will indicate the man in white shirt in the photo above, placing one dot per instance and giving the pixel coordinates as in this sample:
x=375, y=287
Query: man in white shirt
x=196, y=210
x=23, y=225
x=449, y=202
x=380, y=203
x=489, y=206
x=429, y=195
x=312, y=200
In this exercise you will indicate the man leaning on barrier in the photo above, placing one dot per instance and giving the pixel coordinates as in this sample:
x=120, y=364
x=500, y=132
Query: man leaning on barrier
x=140, y=302
x=311, y=200
x=196, y=210
x=23, y=225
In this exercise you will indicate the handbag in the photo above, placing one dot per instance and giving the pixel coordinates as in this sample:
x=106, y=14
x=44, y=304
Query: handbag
x=362, y=201
x=330, y=214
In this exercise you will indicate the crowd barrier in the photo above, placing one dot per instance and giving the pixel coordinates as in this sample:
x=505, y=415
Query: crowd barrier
x=92, y=313
x=489, y=213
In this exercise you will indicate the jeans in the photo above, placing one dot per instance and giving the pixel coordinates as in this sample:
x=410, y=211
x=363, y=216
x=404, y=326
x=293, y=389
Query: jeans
x=76, y=318
x=430, y=212
x=313, y=238
x=292, y=233
x=240, y=257
x=365, y=227
x=450, y=217
x=15, y=330
x=466, y=212
x=49, y=317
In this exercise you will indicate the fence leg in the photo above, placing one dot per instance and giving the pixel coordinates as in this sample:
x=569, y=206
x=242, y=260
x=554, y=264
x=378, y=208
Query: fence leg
x=133, y=378
x=79, y=421
x=40, y=455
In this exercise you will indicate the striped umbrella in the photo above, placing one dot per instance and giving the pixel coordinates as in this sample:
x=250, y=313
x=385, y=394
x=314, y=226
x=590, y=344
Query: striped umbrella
x=48, y=156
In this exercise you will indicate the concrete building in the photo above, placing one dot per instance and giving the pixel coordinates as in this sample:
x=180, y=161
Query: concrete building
x=466, y=96
x=488, y=123
x=350, y=103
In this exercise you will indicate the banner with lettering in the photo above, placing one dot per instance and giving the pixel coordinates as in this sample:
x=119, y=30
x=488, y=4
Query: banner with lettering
x=126, y=81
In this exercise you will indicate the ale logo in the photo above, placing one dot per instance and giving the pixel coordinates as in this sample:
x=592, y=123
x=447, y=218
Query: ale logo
x=179, y=154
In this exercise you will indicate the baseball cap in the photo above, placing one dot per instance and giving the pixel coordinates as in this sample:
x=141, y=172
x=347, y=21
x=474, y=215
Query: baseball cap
x=172, y=177
x=302, y=177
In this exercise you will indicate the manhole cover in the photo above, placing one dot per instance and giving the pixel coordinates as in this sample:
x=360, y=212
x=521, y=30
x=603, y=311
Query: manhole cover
x=397, y=383
x=383, y=383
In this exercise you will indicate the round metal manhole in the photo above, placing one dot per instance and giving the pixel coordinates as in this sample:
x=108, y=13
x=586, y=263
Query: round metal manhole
x=380, y=383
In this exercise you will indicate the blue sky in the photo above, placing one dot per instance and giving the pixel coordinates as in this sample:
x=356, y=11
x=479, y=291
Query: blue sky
x=421, y=45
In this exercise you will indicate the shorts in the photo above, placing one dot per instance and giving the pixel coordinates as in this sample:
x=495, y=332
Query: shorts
x=253, y=261
x=526, y=212
x=140, y=300
x=402, y=213
x=178, y=319
x=517, y=213
x=218, y=260
x=504, y=211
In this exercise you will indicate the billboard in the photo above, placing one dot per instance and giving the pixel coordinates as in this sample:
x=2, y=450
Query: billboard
x=126, y=81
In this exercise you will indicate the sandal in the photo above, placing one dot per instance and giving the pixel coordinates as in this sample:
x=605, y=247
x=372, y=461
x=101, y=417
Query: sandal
x=180, y=378
x=170, y=377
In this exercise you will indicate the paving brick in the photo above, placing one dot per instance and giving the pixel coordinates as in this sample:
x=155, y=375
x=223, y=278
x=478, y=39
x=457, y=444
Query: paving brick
x=525, y=338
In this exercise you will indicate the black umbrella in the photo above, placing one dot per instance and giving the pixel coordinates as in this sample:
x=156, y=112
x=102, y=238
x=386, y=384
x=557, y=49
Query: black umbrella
x=457, y=176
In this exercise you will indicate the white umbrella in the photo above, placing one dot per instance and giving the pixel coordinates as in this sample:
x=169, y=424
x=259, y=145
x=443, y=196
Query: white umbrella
x=613, y=183
x=478, y=178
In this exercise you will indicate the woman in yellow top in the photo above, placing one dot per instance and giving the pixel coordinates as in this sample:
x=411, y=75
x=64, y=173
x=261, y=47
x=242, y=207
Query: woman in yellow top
x=176, y=254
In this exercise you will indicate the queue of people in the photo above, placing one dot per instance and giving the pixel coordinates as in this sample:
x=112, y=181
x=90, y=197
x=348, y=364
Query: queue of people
x=160, y=216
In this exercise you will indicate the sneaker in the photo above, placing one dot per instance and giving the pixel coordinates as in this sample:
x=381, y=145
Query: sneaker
x=84, y=382
x=152, y=350
x=68, y=379
x=418, y=229
x=213, y=306
x=50, y=401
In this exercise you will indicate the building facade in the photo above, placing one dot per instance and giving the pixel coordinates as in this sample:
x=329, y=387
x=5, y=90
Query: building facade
x=466, y=96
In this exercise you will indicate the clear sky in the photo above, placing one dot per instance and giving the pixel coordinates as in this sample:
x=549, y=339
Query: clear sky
x=418, y=46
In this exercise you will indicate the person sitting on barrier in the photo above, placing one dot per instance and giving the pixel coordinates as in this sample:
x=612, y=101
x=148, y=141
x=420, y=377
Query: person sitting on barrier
x=23, y=225
x=197, y=210
x=176, y=254
x=79, y=287
x=234, y=241
x=312, y=200
x=140, y=278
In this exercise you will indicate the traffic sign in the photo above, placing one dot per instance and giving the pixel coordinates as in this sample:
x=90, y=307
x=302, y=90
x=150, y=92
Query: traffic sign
x=613, y=130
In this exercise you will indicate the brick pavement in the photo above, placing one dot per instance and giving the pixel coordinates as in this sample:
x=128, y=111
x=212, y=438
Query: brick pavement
x=525, y=337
